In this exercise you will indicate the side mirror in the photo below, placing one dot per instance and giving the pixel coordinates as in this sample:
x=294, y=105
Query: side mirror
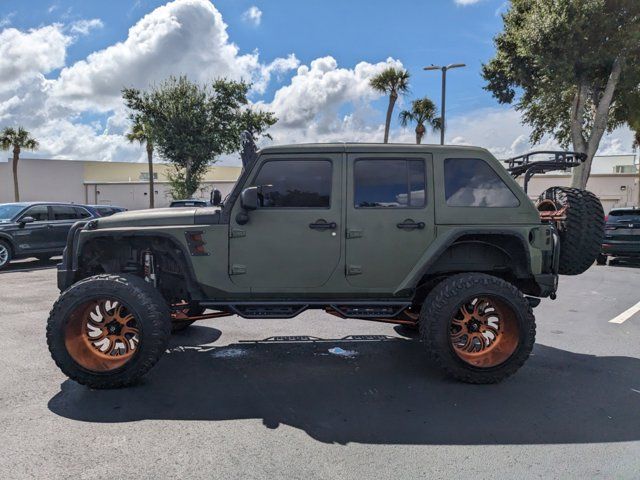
x=249, y=198
x=25, y=220
x=216, y=197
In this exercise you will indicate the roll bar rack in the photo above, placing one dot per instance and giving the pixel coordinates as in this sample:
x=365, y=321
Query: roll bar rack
x=556, y=160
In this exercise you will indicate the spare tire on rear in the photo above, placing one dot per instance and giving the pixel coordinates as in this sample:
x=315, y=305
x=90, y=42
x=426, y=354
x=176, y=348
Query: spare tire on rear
x=581, y=231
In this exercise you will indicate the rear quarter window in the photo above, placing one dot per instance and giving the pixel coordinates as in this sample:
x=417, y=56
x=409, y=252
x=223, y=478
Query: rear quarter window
x=471, y=182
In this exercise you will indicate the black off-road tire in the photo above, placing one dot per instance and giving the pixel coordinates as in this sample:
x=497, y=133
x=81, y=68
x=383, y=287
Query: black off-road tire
x=6, y=249
x=142, y=299
x=582, y=232
x=441, y=305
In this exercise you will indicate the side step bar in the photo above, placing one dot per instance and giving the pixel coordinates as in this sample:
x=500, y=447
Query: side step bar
x=290, y=309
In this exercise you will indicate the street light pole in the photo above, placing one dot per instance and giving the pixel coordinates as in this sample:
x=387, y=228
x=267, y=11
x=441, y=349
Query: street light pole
x=444, y=92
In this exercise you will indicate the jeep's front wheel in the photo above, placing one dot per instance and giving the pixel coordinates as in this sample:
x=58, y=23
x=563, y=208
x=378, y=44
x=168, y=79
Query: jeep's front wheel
x=107, y=331
x=478, y=328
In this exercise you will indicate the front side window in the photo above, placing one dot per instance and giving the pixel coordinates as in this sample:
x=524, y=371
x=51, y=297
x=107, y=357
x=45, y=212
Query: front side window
x=40, y=213
x=389, y=183
x=471, y=182
x=294, y=183
x=61, y=212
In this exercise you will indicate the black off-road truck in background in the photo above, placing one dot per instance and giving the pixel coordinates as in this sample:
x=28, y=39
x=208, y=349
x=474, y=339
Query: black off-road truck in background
x=440, y=238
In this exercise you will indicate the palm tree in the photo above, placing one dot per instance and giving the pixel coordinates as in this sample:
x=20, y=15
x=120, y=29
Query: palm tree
x=423, y=111
x=11, y=138
x=141, y=133
x=392, y=81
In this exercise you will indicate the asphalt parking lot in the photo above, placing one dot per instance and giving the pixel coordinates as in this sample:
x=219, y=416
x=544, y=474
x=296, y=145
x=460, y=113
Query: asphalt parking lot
x=226, y=403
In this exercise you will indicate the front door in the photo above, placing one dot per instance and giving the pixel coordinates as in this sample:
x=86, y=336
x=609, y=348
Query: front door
x=35, y=235
x=390, y=217
x=291, y=241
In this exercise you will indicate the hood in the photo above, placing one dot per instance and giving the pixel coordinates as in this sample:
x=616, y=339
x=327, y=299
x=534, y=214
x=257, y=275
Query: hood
x=158, y=217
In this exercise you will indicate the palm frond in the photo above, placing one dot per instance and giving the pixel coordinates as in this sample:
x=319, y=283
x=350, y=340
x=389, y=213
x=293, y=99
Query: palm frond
x=406, y=117
x=10, y=137
x=390, y=80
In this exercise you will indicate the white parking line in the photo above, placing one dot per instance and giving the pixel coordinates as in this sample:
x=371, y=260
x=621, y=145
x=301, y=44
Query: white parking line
x=627, y=314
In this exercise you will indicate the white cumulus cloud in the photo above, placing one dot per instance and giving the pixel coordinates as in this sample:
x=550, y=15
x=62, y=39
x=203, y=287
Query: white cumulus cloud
x=253, y=15
x=39, y=50
x=312, y=100
x=182, y=37
x=83, y=27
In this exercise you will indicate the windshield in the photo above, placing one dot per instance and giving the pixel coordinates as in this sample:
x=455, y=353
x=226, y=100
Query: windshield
x=7, y=212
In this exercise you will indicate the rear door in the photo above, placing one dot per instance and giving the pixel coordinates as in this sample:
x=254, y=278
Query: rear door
x=390, y=217
x=62, y=219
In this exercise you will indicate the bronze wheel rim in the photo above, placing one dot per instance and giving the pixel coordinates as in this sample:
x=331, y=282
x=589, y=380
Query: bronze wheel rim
x=484, y=332
x=102, y=335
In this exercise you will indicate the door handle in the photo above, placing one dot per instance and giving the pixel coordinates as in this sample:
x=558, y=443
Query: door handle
x=409, y=224
x=322, y=224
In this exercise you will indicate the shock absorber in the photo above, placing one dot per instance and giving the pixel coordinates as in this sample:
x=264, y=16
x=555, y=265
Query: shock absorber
x=149, y=268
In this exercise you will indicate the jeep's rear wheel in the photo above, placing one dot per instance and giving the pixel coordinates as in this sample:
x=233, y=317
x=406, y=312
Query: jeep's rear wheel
x=478, y=328
x=109, y=330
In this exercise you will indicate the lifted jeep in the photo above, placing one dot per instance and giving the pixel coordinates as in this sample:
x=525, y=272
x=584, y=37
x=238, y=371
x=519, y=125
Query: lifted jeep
x=440, y=238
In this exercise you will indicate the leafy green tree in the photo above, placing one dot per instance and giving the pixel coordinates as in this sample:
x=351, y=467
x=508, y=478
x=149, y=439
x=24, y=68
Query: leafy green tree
x=16, y=140
x=567, y=65
x=393, y=82
x=256, y=122
x=629, y=113
x=423, y=111
x=192, y=124
x=141, y=133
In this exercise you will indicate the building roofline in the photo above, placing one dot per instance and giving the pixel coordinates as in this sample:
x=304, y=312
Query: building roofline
x=146, y=182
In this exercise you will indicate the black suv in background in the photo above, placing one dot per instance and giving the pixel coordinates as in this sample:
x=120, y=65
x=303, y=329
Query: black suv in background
x=37, y=229
x=621, y=234
x=189, y=203
x=106, y=210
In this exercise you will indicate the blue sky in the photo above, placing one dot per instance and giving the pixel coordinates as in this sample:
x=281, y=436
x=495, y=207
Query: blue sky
x=74, y=89
x=417, y=33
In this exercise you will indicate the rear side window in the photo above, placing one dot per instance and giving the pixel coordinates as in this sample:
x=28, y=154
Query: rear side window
x=294, y=183
x=389, y=183
x=471, y=182
x=63, y=212
x=81, y=213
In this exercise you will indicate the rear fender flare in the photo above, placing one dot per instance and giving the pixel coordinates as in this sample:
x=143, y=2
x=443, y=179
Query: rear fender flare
x=437, y=249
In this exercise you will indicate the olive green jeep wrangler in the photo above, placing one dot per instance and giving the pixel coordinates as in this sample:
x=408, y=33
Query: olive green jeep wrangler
x=439, y=238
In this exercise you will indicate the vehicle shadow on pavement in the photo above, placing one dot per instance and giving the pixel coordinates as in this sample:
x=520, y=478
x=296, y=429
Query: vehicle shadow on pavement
x=378, y=390
x=30, y=265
